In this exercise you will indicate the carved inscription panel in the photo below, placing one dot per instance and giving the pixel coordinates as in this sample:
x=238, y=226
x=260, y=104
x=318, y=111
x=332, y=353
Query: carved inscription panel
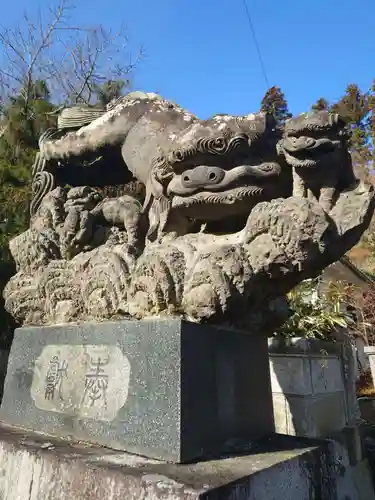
x=86, y=381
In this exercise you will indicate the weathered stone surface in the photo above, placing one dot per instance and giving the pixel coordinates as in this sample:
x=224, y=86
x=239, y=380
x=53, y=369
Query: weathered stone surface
x=84, y=381
x=313, y=386
x=290, y=375
x=166, y=388
x=304, y=376
x=326, y=375
x=314, y=416
x=306, y=346
x=42, y=468
x=201, y=276
x=314, y=145
x=221, y=236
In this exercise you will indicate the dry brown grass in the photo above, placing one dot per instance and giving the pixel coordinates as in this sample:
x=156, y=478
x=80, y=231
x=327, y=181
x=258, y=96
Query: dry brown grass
x=359, y=254
x=366, y=392
x=365, y=385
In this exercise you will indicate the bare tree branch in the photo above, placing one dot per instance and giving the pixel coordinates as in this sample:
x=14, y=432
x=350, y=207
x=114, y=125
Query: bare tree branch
x=73, y=59
x=97, y=57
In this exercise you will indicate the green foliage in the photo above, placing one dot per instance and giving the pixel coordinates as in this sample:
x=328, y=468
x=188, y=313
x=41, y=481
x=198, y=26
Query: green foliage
x=275, y=104
x=371, y=114
x=23, y=120
x=358, y=108
x=314, y=316
x=26, y=116
x=320, y=105
x=354, y=108
x=111, y=89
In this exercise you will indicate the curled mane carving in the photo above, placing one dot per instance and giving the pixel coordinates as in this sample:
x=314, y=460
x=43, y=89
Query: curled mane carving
x=157, y=204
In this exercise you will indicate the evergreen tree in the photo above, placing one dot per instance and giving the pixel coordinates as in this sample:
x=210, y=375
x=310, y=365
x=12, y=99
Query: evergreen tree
x=320, y=105
x=354, y=108
x=18, y=146
x=27, y=115
x=358, y=109
x=275, y=104
x=111, y=89
x=371, y=127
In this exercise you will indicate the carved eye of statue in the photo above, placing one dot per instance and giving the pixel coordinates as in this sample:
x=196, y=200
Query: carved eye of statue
x=270, y=168
x=267, y=167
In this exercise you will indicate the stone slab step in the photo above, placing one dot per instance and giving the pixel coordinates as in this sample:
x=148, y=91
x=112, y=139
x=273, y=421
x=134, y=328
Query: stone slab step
x=36, y=467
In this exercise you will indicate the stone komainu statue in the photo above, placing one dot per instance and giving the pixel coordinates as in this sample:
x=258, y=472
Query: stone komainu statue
x=215, y=220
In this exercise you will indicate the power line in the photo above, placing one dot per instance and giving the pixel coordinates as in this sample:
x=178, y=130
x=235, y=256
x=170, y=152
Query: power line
x=256, y=42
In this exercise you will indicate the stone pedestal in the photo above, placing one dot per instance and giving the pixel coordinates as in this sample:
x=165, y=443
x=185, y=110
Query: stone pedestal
x=280, y=468
x=165, y=389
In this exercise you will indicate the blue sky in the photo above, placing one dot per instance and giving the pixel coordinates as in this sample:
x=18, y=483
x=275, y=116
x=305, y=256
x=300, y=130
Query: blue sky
x=201, y=53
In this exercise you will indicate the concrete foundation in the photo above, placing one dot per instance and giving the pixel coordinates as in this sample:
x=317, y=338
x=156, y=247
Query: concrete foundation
x=34, y=467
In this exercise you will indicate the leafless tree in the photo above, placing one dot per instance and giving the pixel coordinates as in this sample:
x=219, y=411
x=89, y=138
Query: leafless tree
x=361, y=301
x=73, y=60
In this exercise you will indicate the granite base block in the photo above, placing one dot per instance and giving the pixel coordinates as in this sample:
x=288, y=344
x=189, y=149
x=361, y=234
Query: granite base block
x=165, y=389
x=280, y=467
